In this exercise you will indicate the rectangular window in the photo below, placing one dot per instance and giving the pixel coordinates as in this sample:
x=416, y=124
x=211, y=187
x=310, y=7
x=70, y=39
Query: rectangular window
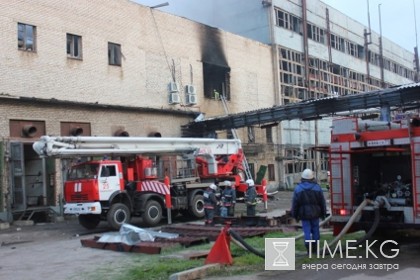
x=74, y=46
x=282, y=19
x=315, y=33
x=271, y=173
x=252, y=170
x=216, y=81
x=26, y=37
x=269, y=134
x=114, y=54
x=251, y=134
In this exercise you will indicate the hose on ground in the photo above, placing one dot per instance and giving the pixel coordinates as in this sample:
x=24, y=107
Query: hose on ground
x=248, y=247
x=371, y=230
x=350, y=222
x=241, y=242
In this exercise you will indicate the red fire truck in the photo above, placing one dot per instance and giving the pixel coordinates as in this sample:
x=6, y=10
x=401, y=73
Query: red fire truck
x=378, y=161
x=144, y=176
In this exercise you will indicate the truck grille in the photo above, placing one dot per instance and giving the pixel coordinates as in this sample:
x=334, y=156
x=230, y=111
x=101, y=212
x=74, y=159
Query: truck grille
x=79, y=197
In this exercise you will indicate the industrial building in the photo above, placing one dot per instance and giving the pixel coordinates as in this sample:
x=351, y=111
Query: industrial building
x=109, y=68
x=317, y=52
x=117, y=68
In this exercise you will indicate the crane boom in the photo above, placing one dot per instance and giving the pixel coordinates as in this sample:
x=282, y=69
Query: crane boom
x=68, y=146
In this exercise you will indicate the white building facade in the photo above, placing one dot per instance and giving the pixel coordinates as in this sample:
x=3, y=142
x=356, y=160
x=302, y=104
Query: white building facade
x=317, y=52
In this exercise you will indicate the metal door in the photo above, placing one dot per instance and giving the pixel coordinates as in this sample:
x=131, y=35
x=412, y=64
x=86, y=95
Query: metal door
x=17, y=171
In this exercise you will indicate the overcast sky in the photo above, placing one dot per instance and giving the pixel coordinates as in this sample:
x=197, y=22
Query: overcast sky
x=397, y=16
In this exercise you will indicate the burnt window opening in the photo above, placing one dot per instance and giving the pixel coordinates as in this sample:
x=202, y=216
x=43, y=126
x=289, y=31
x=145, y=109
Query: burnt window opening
x=216, y=81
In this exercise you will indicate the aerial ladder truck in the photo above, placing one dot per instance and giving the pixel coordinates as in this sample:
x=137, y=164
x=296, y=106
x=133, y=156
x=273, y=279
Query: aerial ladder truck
x=142, y=176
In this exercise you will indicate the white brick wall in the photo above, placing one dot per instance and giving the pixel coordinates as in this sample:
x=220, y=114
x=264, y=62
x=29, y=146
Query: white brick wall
x=150, y=44
x=154, y=45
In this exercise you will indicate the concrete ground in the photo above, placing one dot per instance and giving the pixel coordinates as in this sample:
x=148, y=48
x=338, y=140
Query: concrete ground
x=52, y=251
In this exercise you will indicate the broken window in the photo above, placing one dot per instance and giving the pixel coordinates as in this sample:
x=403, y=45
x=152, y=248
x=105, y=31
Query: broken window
x=282, y=19
x=288, y=21
x=216, y=81
x=74, y=46
x=26, y=37
x=114, y=54
x=337, y=42
x=315, y=33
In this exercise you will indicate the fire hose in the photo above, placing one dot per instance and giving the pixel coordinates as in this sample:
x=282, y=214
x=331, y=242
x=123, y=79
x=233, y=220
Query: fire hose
x=380, y=201
x=242, y=243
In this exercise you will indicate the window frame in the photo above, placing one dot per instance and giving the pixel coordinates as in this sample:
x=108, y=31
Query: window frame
x=271, y=172
x=114, y=54
x=73, y=46
x=24, y=35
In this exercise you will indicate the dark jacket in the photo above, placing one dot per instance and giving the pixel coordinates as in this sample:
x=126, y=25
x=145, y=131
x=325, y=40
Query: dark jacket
x=308, y=201
x=228, y=196
x=251, y=195
x=210, y=200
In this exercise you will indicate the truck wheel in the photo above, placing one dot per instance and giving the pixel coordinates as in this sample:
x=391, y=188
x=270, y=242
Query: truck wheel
x=89, y=221
x=197, y=206
x=118, y=214
x=152, y=213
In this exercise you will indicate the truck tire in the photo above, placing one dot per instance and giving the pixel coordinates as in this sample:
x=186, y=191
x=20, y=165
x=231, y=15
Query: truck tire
x=117, y=215
x=152, y=213
x=89, y=221
x=197, y=206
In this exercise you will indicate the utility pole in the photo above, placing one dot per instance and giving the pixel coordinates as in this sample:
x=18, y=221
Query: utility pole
x=368, y=41
x=416, y=49
x=381, y=49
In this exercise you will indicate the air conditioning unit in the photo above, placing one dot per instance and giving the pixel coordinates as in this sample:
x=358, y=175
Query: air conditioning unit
x=173, y=87
x=174, y=98
x=191, y=99
x=189, y=89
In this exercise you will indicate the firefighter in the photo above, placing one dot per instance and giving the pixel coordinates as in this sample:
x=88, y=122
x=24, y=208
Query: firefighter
x=229, y=198
x=210, y=204
x=309, y=205
x=250, y=198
